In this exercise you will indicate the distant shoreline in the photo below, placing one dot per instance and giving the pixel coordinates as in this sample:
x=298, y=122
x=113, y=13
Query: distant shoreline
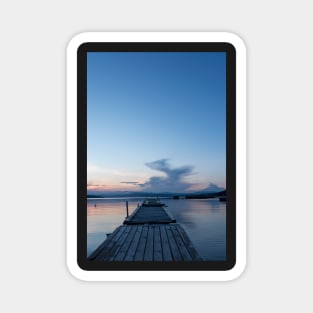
x=131, y=197
x=162, y=196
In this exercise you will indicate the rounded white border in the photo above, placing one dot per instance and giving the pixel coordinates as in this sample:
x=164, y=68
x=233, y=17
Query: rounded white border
x=73, y=45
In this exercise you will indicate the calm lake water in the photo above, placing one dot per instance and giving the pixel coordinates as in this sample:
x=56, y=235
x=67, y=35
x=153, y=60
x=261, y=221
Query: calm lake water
x=204, y=221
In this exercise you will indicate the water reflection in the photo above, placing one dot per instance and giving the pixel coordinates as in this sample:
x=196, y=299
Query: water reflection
x=204, y=220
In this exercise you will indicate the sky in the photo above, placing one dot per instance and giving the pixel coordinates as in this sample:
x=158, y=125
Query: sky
x=156, y=121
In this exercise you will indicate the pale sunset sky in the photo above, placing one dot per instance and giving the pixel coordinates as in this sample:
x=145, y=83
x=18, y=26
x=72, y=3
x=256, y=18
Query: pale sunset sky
x=156, y=121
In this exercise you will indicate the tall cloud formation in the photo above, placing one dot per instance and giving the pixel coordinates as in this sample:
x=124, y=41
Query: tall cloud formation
x=173, y=180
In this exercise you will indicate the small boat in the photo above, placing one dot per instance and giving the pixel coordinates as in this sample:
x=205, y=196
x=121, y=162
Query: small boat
x=153, y=202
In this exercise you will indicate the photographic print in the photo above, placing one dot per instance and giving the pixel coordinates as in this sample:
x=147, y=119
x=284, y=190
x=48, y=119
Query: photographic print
x=156, y=156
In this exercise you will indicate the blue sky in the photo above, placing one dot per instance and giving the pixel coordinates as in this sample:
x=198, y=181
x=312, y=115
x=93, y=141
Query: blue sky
x=156, y=121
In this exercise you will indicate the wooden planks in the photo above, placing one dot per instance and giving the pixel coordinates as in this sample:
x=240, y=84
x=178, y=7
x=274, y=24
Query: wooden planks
x=149, y=242
x=107, y=247
x=149, y=215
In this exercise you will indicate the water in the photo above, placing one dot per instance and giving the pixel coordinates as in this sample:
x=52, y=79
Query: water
x=204, y=221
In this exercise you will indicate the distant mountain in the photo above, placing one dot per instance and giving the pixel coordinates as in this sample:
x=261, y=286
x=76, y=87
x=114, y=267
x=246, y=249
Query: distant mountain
x=138, y=194
x=206, y=195
x=212, y=188
x=129, y=194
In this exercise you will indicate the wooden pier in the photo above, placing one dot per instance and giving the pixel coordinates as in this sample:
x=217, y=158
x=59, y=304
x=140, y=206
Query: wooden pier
x=149, y=234
x=149, y=215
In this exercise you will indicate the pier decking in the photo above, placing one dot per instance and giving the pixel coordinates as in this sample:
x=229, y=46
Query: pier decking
x=153, y=242
x=149, y=234
x=149, y=215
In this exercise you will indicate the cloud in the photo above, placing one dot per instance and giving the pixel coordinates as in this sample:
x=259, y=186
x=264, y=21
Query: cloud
x=173, y=181
x=130, y=182
x=95, y=185
x=95, y=188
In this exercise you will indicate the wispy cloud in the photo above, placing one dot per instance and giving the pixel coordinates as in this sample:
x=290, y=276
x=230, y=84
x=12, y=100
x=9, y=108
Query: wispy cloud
x=96, y=185
x=173, y=181
x=130, y=182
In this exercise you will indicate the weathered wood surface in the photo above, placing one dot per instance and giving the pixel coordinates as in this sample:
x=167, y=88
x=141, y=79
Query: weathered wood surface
x=149, y=215
x=149, y=242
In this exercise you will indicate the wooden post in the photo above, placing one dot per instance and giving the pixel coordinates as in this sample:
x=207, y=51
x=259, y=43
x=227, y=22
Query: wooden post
x=126, y=208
